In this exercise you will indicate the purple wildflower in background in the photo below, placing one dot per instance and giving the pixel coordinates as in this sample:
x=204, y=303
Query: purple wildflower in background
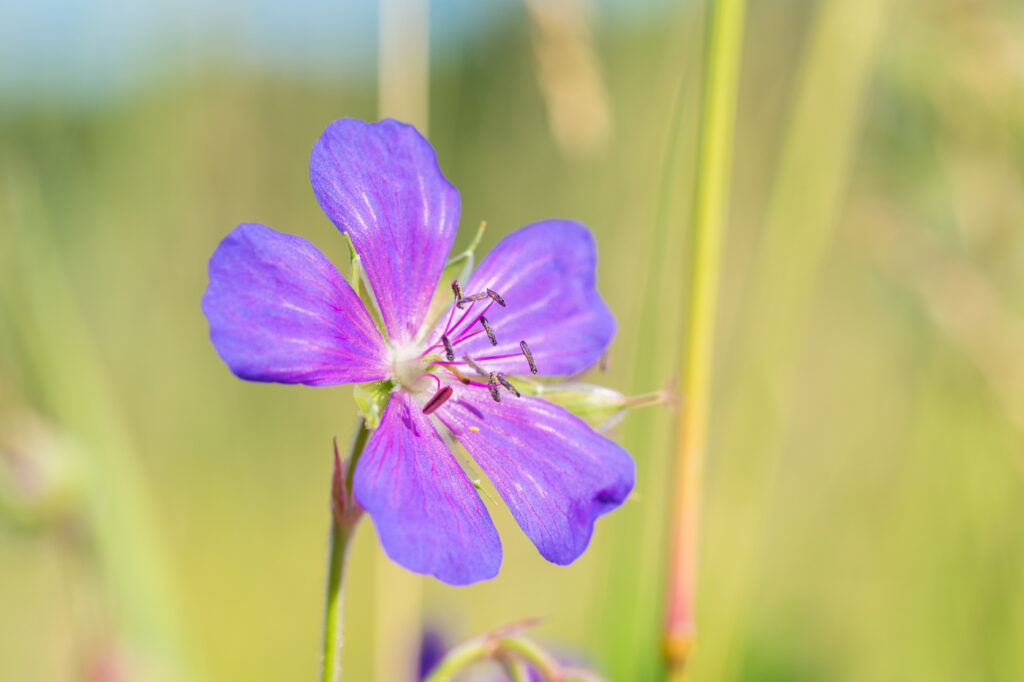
x=280, y=311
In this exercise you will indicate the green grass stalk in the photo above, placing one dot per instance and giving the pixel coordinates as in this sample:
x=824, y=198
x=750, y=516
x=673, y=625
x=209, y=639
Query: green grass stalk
x=630, y=626
x=815, y=160
x=714, y=156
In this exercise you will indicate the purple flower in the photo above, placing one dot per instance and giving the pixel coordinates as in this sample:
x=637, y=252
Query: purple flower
x=280, y=311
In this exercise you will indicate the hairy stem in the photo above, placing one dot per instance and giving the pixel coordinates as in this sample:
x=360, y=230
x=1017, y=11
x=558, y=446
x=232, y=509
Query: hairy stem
x=718, y=107
x=344, y=517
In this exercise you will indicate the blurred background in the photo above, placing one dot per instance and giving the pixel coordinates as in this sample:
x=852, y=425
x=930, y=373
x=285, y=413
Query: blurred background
x=163, y=520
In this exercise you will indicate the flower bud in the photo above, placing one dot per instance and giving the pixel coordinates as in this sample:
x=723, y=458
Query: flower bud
x=601, y=407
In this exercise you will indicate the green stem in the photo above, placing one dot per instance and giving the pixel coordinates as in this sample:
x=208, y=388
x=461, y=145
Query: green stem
x=344, y=517
x=357, y=449
x=489, y=646
x=516, y=670
x=532, y=654
x=714, y=156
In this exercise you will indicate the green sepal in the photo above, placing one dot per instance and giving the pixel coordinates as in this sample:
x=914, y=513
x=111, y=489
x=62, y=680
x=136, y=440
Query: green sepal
x=362, y=288
x=599, y=406
x=458, y=267
x=371, y=399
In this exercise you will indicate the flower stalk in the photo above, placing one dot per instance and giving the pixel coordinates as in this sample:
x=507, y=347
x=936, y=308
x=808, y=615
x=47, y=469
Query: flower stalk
x=515, y=652
x=718, y=109
x=345, y=514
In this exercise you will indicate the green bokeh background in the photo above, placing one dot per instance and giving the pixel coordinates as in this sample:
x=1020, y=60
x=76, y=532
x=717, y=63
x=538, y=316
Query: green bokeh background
x=865, y=489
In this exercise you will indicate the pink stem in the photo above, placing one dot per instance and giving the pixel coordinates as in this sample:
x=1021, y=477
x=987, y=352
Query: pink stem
x=467, y=337
x=469, y=309
x=451, y=314
x=427, y=351
x=462, y=335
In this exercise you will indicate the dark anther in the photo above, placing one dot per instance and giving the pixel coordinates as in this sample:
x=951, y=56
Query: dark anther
x=474, y=365
x=471, y=299
x=448, y=350
x=496, y=297
x=529, y=356
x=492, y=386
x=439, y=399
x=490, y=332
x=507, y=384
x=457, y=290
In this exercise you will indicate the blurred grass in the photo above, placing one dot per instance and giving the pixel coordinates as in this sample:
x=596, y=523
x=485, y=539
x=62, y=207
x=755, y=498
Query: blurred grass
x=815, y=155
x=889, y=537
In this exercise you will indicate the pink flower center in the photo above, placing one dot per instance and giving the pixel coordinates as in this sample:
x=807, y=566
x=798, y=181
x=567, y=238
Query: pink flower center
x=462, y=326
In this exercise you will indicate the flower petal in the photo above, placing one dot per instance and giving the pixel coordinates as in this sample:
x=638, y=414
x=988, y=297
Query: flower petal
x=428, y=515
x=545, y=274
x=555, y=473
x=279, y=311
x=380, y=183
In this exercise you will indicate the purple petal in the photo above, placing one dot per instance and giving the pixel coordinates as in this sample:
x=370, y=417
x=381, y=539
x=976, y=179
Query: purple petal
x=428, y=515
x=279, y=311
x=380, y=183
x=555, y=473
x=545, y=274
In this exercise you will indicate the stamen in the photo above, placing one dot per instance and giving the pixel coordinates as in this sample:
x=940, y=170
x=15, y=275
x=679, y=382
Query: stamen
x=462, y=318
x=490, y=332
x=507, y=384
x=459, y=375
x=460, y=336
x=472, y=299
x=439, y=399
x=481, y=358
x=448, y=350
x=457, y=290
x=466, y=336
x=496, y=297
x=492, y=386
x=529, y=356
x=474, y=365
